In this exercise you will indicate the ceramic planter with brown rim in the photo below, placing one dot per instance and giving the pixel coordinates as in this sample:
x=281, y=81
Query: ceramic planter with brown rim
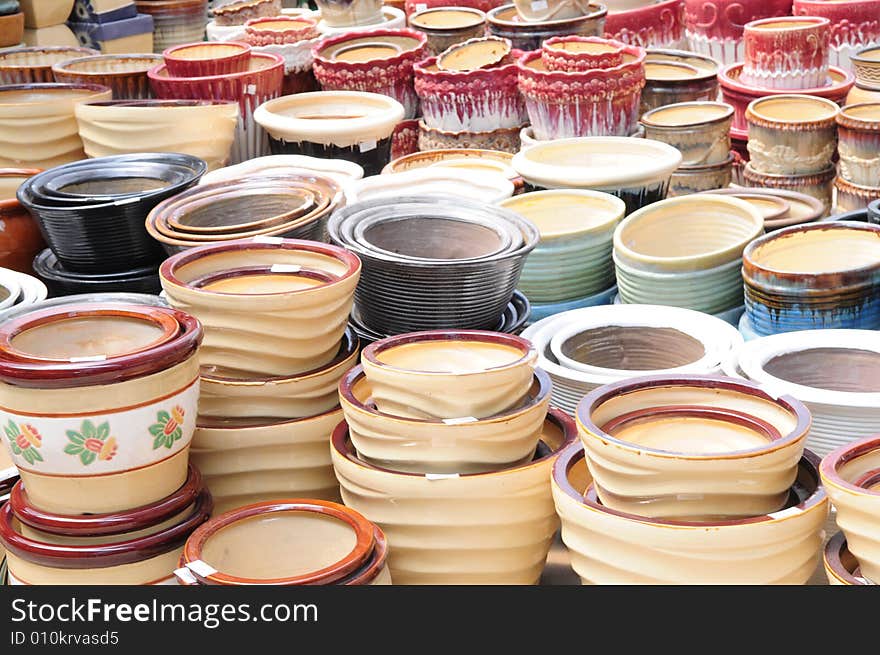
x=818, y=185
x=858, y=130
x=125, y=75
x=841, y=566
x=99, y=402
x=692, y=448
x=696, y=179
x=700, y=130
x=786, y=52
x=850, y=197
x=467, y=158
x=673, y=76
x=249, y=293
x=851, y=474
x=20, y=237
x=446, y=26
x=286, y=542
x=608, y=546
x=34, y=65
x=481, y=528
x=377, y=61
x=791, y=134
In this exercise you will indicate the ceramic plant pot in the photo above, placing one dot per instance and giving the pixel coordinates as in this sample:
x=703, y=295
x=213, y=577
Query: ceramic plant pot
x=45, y=13
x=554, y=10
x=612, y=547
x=841, y=566
x=34, y=65
x=573, y=258
x=474, y=54
x=350, y=13
x=207, y=59
x=446, y=26
x=820, y=275
x=122, y=382
x=347, y=125
x=635, y=170
x=379, y=61
x=692, y=448
x=280, y=30
x=675, y=76
x=849, y=197
x=11, y=29
x=250, y=89
x=20, y=238
x=818, y=185
x=175, y=21
x=62, y=282
x=241, y=11
x=791, y=134
x=866, y=66
x=858, y=129
x=853, y=26
x=595, y=102
x=779, y=208
x=505, y=21
x=334, y=545
x=485, y=186
x=655, y=25
x=697, y=179
x=433, y=539
x=505, y=139
x=700, y=130
x=125, y=75
x=37, y=124
x=580, y=53
x=202, y=128
x=786, y=53
x=459, y=158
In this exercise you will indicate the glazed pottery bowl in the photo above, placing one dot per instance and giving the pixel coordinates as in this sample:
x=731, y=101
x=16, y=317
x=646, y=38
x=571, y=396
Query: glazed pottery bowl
x=104, y=368
x=20, y=238
x=37, y=124
x=175, y=21
x=853, y=26
x=240, y=12
x=489, y=186
x=851, y=474
x=866, y=65
x=459, y=158
x=841, y=566
x=280, y=30
x=201, y=128
x=505, y=21
x=818, y=185
x=246, y=291
x=473, y=54
x=124, y=75
x=695, y=448
x=228, y=393
x=505, y=139
x=613, y=547
x=447, y=375
x=378, y=61
x=651, y=25
x=617, y=342
x=274, y=165
x=850, y=197
x=580, y=53
x=791, y=134
x=688, y=180
x=554, y=10
x=820, y=275
x=249, y=460
x=312, y=542
x=674, y=76
x=635, y=170
x=349, y=14
x=699, y=130
x=61, y=282
x=573, y=258
x=34, y=65
x=204, y=59
x=858, y=129
x=446, y=26
x=779, y=208
x=833, y=372
x=457, y=529
x=92, y=212
x=786, y=52
x=348, y=125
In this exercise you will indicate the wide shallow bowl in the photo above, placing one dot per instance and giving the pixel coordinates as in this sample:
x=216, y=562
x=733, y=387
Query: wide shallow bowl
x=481, y=528
x=612, y=547
x=505, y=21
x=34, y=64
x=62, y=282
x=841, y=566
x=124, y=75
x=699, y=130
x=778, y=207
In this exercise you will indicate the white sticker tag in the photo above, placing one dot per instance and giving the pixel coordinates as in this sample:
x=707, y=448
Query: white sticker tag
x=285, y=268
x=201, y=568
x=539, y=5
x=92, y=358
x=460, y=420
x=273, y=240
x=250, y=90
x=864, y=580
x=125, y=201
x=185, y=576
x=441, y=476
x=366, y=146
x=785, y=513
x=421, y=6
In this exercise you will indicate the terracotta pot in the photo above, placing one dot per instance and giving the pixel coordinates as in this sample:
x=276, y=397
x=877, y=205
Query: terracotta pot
x=34, y=65
x=786, y=53
x=505, y=21
x=20, y=237
x=75, y=460
x=841, y=566
x=674, y=76
x=280, y=30
x=659, y=25
x=819, y=185
x=715, y=27
x=853, y=25
x=700, y=130
x=446, y=26
x=241, y=11
x=125, y=75
x=207, y=59
x=858, y=129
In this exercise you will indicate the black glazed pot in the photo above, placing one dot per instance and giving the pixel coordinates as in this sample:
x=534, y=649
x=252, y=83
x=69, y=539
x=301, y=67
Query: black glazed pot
x=92, y=213
x=858, y=215
x=372, y=161
x=874, y=212
x=62, y=282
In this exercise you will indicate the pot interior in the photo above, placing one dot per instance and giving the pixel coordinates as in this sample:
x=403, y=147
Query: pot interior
x=859, y=464
x=114, y=186
x=111, y=64
x=787, y=109
x=557, y=214
x=89, y=336
x=819, y=251
x=474, y=55
x=33, y=59
x=633, y=348
x=867, y=112
x=669, y=71
x=279, y=25
x=250, y=281
x=834, y=369
x=43, y=96
x=688, y=114
x=449, y=356
x=368, y=48
x=786, y=24
x=206, y=51
x=431, y=237
x=279, y=545
x=331, y=107
x=245, y=208
x=589, y=47
x=236, y=258
x=872, y=54
x=446, y=19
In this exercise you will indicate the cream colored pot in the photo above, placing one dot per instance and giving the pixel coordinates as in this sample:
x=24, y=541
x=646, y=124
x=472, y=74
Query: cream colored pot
x=841, y=567
x=859, y=143
x=700, y=130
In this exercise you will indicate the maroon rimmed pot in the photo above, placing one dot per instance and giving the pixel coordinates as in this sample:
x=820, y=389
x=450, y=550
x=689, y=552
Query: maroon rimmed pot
x=20, y=236
x=595, y=102
x=405, y=138
x=34, y=64
x=841, y=566
x=480, y=100
x=788, y=52
x=207, y=58
x=286, y=543
x=143, y=557
x=580, y=53
x=280, y=30
x=659, y=25
x=378, y=61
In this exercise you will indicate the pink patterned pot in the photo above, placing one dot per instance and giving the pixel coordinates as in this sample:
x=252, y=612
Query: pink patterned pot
x=405, y=138
x=854, y=25
x=581, y=53
x=598, y=102
x=279, y=30
x=786, y=53
x=715, y=27
x=412, y=6
x=655, y=26
x=480, y=100
x=379, y=61
x=261, y=82
x=204, y=59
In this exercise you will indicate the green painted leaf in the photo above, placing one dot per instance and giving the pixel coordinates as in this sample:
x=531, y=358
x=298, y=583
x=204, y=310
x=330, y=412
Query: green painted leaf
x=163, y=416
x=160, y=438
x=36, y=455
x=11, y=433
x=169, y=440
x=75, y=437
x=28, y=456
x=88, y=429
x=103, y=431
x=156, y=429
x=15, y=448
x=73, y=449
x=87, y=457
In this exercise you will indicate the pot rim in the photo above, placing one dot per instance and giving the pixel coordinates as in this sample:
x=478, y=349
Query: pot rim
x=859, y=56
x=814, y=203
x=835, y=89
x=96, y=89
x=600, y=395
x=808, y=21
x=831, y=556
x=831, y=463
x=241, y=49
x=596, y=11
x=507, y=66
x=727, y=115
x=478, y=14
x=506, y=45
x=160, y=74
x=615, y=216
x=584, y=75
x=363, y=529
x=89, y=52
x=214, y=424
x=420, y=37
x=845, y=120
x=681, y=57
x=156, y=103
x=62, y=66
x=754, y=116
x=825, y=175
x=867, y=192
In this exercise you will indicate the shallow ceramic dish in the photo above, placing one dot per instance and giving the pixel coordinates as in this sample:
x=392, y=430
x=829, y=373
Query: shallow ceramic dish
x=203, y=59
x=446, y=26
x=612, y=547
x=457, y=529
x=491, y=160
x=699, y=130
x=34, y=65
x=505, y=21
x=62, y=282
x=841, y=566
x=485, y=186
x=124, y=75
x=779, y=208
x=858, y=128
x=674, y=76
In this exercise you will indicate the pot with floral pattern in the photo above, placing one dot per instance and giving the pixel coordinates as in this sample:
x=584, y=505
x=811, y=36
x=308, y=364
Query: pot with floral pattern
x=787, y=52
x=854, y=25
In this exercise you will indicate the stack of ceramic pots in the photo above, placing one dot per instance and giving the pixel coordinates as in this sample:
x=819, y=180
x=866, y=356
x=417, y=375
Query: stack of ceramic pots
x=686, y=252
x=792, y=140
x=571, y=265
x=470, y=98
x=44, y=22
x=125, y=75
x=268, y=402
x=175, y=21
x=447, y=445
x=20, y=239
x=635, y=170
x=858, y=181
x=112, y=26
x=854, y=25
x=223, y=71
x=701, y=131
x=851, y=474
x=34, y=65
x=820, y=275
x=690, y=480
x=779, y=208
x=431, y=263
x=8, y=478
x=674, y=76
x=446, y=26
x=92, y=214
x=587, y=348
x=866, y=66
x=582, y=86
x=527, y=29
x=106, y=472
x=716, y=28
x=647, y=23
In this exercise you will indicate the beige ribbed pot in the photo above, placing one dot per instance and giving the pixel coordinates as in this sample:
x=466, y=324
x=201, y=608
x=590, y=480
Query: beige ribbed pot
x=488, y=528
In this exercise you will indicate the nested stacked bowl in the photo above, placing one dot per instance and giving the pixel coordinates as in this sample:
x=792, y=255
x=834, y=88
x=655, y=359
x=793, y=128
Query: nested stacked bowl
x=124, y=75
x=685, y=252
x=433, y=264
x=819, y=275
x=122, y=384
x=92, y=212
x=841, y=566
x=34, y=64
x=673, y=76
x=505, y=21
x=62, y=282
